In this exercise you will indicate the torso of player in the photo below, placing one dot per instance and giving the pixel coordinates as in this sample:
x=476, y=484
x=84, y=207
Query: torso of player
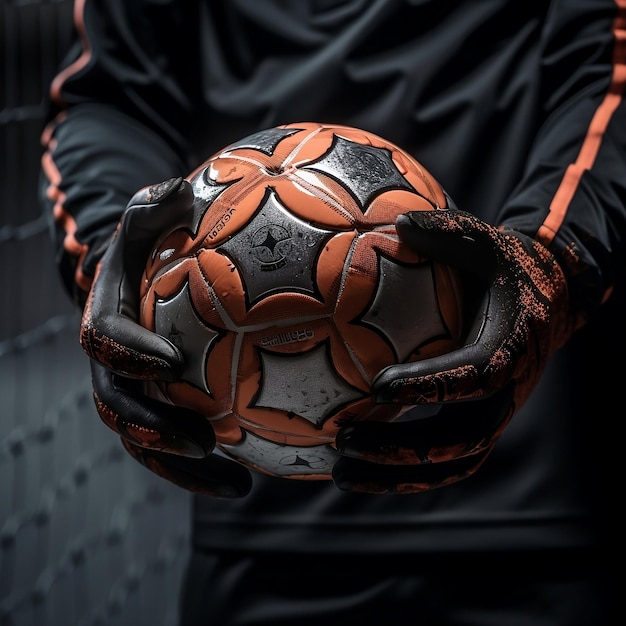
x=395, y=68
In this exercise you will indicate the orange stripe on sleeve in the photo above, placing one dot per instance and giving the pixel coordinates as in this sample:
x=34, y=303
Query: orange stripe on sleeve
x=63, y=218
x=597, y=128
x=83, y=59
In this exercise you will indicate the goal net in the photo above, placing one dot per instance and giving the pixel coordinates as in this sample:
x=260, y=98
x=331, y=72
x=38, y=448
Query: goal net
x=87, y=535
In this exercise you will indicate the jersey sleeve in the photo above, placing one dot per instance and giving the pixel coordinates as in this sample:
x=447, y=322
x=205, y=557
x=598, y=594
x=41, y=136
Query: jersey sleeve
x=116, y=123
x=572, y=196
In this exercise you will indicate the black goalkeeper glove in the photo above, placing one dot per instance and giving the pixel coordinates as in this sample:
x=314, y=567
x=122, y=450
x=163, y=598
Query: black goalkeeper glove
x=519, y=319
x=175, y=443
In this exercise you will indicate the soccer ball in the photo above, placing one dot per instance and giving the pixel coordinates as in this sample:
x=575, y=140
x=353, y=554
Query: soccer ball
x=287, y=290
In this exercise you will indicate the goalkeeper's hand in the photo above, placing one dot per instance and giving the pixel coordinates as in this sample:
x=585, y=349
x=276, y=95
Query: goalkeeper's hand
x=177, y=444
x=520, y=317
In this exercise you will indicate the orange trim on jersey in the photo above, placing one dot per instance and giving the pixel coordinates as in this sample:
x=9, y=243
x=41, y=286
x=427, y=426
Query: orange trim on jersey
x=70, y=244
x=83, y=59
x=46, y=134
x=595, y=133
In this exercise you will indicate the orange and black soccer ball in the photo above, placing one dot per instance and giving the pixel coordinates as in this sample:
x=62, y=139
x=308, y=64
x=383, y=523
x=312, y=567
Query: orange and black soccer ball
x=287, y=290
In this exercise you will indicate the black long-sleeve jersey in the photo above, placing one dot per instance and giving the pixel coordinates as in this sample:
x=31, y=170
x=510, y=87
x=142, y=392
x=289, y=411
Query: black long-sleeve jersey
x=516, y=107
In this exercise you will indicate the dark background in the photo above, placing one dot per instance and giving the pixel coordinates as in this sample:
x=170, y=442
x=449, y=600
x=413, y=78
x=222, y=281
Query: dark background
x=87, y=535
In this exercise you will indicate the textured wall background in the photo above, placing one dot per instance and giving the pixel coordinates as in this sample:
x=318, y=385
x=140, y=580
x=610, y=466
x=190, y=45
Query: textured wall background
x=87, y=536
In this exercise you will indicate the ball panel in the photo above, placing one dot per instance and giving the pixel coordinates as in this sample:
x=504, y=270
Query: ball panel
x=274, y=251
x=230, y=211
x=315, y=198
x=228, y=430
x=385, y=209
x=330, y=266
x=169, y=281
x=219, y=291
x=297, y=461
x=171, y=249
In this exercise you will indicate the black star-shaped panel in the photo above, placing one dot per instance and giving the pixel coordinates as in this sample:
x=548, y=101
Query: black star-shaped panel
x=365, y=171
x=305, y=384
x=276, y=251
x=264, y=141
x=176, y=319
x=418, y=319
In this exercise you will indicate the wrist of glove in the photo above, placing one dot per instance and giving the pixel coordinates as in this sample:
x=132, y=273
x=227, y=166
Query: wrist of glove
x=177, y=444
x=519, y=318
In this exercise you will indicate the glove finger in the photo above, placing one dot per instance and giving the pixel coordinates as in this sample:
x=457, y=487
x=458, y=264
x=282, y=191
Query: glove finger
x=122, y=345
x=457, y=430
x=457, y=375
x=155, y=208
x=355, y=475
x=451, y=237
x=211, y=476
x=149, y=212
x=146, y=422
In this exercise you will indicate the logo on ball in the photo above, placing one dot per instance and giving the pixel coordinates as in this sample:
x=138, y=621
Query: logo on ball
x=271, y=245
